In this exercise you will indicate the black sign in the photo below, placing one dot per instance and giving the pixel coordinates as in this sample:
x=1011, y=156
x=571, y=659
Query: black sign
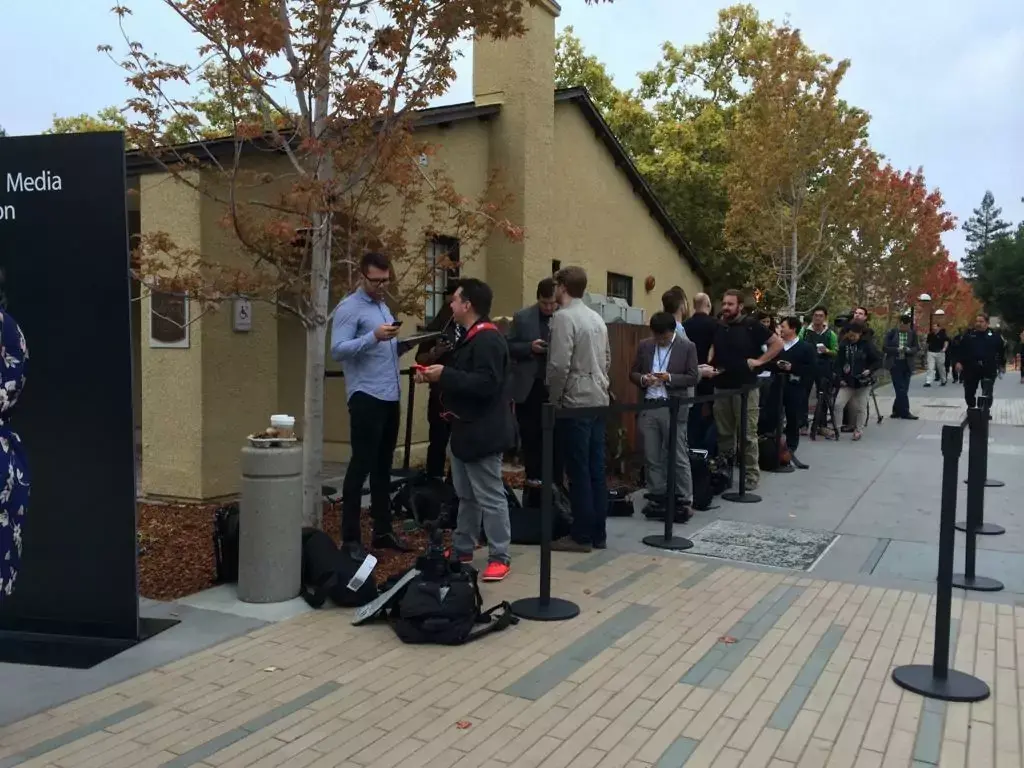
x=64, y=252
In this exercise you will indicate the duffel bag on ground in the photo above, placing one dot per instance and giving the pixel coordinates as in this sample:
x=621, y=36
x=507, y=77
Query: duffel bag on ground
x=328, y=572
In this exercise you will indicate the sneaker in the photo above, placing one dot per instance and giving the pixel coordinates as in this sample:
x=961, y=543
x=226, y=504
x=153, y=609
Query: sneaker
x=568, y=544
x=927, y=383
x=495, y=571
x=390, y=541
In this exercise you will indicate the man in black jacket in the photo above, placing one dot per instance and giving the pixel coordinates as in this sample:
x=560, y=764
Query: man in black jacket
x=474, y=394
x=979, y=356
x=800, y=360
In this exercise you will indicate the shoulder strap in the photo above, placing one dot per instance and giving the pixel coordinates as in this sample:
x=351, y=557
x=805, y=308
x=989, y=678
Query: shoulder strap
x=493, y=623
x=480, y=327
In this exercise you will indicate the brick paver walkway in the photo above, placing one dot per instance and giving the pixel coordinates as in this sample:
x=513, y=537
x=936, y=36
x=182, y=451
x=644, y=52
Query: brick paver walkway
x=673, y=662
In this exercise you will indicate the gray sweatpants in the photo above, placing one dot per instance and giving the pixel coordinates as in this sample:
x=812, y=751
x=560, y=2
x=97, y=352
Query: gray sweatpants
x=654, y=427
x=481, y=492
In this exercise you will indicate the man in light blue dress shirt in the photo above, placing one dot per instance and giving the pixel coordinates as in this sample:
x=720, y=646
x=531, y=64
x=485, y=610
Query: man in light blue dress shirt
x=363, y=340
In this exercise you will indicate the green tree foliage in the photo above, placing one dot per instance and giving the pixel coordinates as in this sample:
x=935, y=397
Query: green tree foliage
x=983, y=228
x=999, y=281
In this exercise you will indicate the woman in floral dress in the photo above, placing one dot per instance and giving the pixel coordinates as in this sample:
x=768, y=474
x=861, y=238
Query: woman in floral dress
x=14, y=483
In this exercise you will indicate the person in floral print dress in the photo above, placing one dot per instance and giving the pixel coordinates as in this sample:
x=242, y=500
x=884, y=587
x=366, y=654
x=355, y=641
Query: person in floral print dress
x=14, y=481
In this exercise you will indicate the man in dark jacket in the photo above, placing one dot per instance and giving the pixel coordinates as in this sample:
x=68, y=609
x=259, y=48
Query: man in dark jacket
x=474, y=394
x=979, y=356
x=856, y=361
x=800, y=360
x=901, y=349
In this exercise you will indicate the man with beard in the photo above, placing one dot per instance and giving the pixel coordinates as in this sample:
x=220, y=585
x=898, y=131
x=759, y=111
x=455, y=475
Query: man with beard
x=736, y=357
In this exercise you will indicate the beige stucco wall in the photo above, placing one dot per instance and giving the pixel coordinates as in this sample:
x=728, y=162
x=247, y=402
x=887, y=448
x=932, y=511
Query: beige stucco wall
x=602, y=224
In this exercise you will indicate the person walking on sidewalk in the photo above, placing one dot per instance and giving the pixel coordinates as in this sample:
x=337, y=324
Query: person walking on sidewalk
x=856, y=363
x=980, y=357
x=901, y=348
x=937, y=343
x=665, y=367
x=473, y=388
x=579, y=357
x=742, y=345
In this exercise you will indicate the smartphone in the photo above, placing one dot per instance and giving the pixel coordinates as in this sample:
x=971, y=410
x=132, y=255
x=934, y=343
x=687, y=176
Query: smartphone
x=396, y=324
x=418, y=368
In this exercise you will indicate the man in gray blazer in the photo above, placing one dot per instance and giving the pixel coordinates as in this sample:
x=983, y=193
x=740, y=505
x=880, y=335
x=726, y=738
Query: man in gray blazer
x=528, y=347
x=665, y=367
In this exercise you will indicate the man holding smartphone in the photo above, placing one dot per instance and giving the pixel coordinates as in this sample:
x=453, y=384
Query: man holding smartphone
x=826, y=344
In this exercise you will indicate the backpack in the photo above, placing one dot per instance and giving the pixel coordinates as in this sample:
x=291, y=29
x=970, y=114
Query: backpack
x=445, y=608
x=700, y=472
x=329, y=571
x=426, y=499
x=225, y=543
x=525, y=519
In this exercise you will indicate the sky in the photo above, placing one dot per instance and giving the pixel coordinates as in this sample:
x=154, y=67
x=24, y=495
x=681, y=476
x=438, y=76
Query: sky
x=942, y=79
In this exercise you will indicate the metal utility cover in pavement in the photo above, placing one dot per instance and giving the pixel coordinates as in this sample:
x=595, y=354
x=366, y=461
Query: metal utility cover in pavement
x=793, y=548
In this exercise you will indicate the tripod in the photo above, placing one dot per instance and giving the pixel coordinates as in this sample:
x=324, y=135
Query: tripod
x=825, y=410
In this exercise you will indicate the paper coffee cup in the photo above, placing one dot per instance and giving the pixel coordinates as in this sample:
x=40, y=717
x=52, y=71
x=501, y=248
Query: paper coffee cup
x=285, y=425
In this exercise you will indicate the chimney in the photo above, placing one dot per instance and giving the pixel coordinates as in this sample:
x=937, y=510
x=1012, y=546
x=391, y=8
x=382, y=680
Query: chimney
x=519, y=75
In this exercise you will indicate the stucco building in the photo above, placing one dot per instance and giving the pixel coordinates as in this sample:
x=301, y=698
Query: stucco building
x=577, y=194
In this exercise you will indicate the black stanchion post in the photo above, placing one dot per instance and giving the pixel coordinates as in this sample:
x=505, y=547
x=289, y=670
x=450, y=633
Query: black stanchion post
x=410, y=412
x=742, y=496
x=977, y=420
x=782, y=382
x=984, y=403
x=667, y=540
x=987, y=389
x=546, y=607
x=938, y=681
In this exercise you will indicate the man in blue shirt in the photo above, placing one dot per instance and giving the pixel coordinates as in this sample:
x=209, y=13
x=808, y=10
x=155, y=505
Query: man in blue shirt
x=363, y=340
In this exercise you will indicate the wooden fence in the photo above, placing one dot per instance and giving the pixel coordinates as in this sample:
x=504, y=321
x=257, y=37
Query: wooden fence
x=622, y=436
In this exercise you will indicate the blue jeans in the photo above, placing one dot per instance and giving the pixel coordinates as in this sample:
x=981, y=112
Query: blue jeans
x=582, y=442
x=900, y=373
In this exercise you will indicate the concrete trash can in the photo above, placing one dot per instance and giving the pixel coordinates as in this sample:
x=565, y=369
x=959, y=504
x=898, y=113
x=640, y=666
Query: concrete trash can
x=270, y=525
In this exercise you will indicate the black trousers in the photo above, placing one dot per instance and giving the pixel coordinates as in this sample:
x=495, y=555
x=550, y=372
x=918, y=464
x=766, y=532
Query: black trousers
x=374, y=434
x=439, y=434
x=794, y=401
x=971, y=378
x=531, y=435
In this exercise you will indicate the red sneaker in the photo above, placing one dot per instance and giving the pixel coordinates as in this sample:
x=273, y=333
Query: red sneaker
x=495, y=572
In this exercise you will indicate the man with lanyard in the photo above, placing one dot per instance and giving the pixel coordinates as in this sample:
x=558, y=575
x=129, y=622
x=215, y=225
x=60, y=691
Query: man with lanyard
x=901, y=347
x=432, y=352
x=825, y=342
x=363, y=340
x=665, y=366
x=980, y=357
x=474, y=392
x=735, y=359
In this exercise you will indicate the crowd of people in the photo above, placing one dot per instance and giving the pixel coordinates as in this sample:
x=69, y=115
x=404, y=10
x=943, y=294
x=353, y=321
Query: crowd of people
x=487, y=389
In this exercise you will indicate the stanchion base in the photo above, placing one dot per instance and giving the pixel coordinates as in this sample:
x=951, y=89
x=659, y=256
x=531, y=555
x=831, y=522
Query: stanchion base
x=675, y=544
x=957, y=686
x=976, y=583
x=741, y=497
x=783, y=469
x=991, y=483
x=985, y=529
x=531, y=609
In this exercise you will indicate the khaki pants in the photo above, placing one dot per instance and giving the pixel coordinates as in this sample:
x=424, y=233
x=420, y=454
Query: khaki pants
x=654, y=428
x=727, y=421
x=858, y=404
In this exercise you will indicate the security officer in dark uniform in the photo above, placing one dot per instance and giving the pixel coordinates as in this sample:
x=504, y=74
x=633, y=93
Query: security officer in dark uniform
x=979, y=356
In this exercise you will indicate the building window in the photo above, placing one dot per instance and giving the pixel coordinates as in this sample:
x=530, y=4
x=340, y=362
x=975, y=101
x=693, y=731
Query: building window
x=556, y=264
x=443, y=263
x=620, y=287
x=168, y=320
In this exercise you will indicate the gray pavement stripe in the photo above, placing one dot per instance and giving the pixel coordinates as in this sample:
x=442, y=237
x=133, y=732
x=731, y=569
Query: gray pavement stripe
x=715, y=666
x=677, y=754
x=699, y=574
x=595, y=561
x=786, y=710
x=56, y=742
x=626, y=581
x=932, y=723
x=225, y=740
x=549, y=673
x=876, y=554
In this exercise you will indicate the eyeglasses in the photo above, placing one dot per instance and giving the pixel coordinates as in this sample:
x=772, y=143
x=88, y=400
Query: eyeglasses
x=377, y=281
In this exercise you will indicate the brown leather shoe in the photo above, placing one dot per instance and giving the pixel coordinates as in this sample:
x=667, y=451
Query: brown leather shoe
x=568, y=544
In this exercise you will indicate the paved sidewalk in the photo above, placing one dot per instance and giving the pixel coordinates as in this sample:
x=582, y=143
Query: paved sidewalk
x=673, y=662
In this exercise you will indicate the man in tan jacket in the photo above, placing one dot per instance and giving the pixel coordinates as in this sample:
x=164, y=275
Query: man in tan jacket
x=577, y=377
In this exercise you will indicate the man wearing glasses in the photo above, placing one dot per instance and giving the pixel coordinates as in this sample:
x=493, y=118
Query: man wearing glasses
x=363, y=340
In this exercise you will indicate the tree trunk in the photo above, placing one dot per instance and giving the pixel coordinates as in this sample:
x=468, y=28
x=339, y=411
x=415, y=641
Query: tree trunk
x=313, y=423
x=794, y=275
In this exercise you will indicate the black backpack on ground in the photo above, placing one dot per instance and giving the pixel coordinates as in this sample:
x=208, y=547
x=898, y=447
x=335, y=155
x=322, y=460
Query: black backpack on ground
x=326, y=572
x=442, y=606
x=225, y=543
x=700, y=471
x=525, y=518
x=426, y=499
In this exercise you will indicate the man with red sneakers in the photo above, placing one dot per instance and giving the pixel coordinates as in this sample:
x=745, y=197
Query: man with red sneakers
x=475, y=398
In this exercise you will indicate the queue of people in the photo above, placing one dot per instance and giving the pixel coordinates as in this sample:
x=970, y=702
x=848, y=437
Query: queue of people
x=487, y=390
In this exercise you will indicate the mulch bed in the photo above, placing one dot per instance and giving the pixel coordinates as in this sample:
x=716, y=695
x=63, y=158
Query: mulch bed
x=176, y=548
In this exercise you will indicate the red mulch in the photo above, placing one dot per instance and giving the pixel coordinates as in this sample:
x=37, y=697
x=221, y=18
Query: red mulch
x=176, y=548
